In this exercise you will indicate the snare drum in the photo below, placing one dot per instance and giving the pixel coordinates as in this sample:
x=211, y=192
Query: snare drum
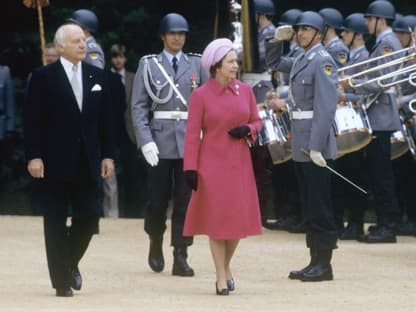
x=401, y=141
x=275, y=134
x=352, y=127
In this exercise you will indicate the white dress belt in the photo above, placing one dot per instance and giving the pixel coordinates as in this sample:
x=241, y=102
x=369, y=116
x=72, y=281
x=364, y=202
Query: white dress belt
x=301, y=114
x=170, y=115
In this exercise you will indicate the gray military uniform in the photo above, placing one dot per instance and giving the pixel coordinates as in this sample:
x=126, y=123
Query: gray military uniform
x=168, y=134
x=339, y=52
x=264, y=34
x=95, y=55
x=383, y=113
x=356, y=56
x=313, y=82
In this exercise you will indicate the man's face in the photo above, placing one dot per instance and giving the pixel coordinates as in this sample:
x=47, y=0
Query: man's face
x=173, y=42
x=307, y=36
x=404, y=38
x=51, y=55
x=371, y=24
x=347, y=36
x=118, y=61
x=74, y=48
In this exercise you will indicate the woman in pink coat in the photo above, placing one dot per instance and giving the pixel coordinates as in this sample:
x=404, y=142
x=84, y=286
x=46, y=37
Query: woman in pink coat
x=222, y=120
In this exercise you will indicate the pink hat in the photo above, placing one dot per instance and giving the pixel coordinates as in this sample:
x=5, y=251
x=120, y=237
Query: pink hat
x=215, y=51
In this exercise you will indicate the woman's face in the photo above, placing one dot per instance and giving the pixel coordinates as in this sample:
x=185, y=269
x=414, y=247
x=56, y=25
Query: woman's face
x=229, y=67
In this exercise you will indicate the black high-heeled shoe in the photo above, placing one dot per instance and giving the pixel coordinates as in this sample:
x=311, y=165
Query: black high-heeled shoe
x=231, y=285
x=221, y=292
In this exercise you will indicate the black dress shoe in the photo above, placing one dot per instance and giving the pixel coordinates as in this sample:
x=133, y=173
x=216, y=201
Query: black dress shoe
x=297, y=228
x=296, y=275
x=352, y=232
x=155, y=260
x=180, y=265
x=318, y=273
x=381, y=234
x=221, y=292
x=76, y=279
x=406, y=229
x=231, y=285
x=64, y=292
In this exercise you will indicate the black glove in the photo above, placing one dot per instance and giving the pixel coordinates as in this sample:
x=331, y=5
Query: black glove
x=191, y=177
x=239, y=132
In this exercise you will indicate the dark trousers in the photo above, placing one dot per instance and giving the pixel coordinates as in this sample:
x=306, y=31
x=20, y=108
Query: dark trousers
x=344, y=196
x=381, y=176
x=286, y=193
x=65, y=245
x=168, y=173
x=404, y=169
x=315, y=193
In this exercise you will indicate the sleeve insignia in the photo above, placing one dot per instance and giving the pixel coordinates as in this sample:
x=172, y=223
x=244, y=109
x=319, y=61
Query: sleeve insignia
x=387, y=50
x=328, y=70
x=93, y=56
x=342, y=58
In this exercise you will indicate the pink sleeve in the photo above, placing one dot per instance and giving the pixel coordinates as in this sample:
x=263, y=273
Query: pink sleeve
x=254, y=123
x=193, y=132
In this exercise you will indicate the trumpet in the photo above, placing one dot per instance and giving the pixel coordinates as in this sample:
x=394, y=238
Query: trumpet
x=395, y=62
x=411, y=106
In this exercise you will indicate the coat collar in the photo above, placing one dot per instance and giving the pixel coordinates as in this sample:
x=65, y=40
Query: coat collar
x=218, y=88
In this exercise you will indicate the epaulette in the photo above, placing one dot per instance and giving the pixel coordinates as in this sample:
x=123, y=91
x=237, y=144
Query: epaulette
x=324, y=53
x=310, y=57
x=194, y=54
x=92, y=44
x=148, y=56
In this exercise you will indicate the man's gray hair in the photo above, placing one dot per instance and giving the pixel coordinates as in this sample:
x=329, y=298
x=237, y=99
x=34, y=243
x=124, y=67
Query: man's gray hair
x=61, y=33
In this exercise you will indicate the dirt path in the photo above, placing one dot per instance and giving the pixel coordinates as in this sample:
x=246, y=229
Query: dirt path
x=117, y=278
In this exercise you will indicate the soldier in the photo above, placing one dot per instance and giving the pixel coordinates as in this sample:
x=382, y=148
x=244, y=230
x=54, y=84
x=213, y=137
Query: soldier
x=161, y=137
x=313, y=82
x=384, y=119
x=89, y=24
x=404, y=167
x=345, y=197
x=333, y=44
x=264, y=13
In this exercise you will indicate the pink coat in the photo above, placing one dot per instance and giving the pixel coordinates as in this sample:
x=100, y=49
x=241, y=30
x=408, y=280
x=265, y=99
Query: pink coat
x=225, y=205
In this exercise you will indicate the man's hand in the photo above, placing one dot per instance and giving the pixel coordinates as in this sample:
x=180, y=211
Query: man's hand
x=317, y=158
x=150, y=153
x=107, y=168
x=35, y=168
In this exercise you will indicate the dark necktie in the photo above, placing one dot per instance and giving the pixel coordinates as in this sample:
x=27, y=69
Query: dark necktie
x=175, y=64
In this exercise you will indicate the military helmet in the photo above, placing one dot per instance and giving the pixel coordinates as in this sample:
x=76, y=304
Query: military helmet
x=173, y=22
x=411, y=20
x=381, y=8
x=356, y=22
x=289, y=17
x=401, y=25
x=310, y=18
x=265, y=7
x=86, y=19
x=332, y=17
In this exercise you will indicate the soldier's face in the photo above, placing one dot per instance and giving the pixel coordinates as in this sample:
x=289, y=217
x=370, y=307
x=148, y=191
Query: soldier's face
x=307, y=37
x=347, y=36
x=74, y=48
x=51, y=55
x=229, y=67
x=173, y=42
x=404, y=38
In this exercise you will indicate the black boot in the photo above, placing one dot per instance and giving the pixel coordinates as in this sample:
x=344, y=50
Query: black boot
x=298, y=274
x=156, y=261
x=322, y=270
x=180, y=266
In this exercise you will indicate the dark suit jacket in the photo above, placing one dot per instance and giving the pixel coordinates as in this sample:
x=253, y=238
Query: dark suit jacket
x=56, y=130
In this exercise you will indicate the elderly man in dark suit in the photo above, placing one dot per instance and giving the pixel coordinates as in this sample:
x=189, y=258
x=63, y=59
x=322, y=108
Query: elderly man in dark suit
x=69, y=146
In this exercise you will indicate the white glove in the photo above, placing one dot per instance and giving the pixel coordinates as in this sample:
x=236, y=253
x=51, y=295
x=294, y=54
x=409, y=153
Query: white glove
x=150, y=152
x=284, y=33
x=317, y=158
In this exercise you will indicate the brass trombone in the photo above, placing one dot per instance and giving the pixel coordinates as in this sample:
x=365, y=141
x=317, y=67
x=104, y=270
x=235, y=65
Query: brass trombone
x=408, y=69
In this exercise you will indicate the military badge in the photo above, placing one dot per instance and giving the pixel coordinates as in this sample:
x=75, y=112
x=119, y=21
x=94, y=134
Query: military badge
x=328, y=69
x=193, y=79
x=387, y=50
x=93, y=56
x=342, y=58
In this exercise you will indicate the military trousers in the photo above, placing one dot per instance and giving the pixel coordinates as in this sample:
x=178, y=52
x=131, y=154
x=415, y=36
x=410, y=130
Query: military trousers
x=167, y=180
x=315, y=194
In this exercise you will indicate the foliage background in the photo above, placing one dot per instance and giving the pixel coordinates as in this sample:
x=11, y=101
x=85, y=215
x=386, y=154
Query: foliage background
x=131, y=22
